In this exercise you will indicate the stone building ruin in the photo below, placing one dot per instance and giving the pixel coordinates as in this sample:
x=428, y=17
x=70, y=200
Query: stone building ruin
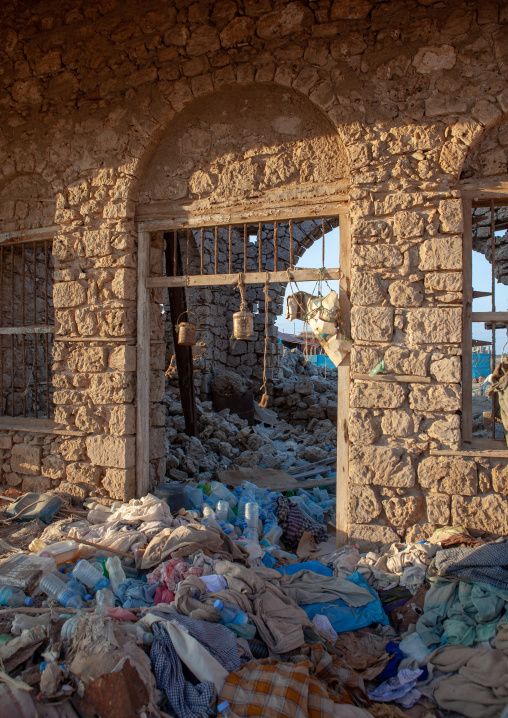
x=125, y=123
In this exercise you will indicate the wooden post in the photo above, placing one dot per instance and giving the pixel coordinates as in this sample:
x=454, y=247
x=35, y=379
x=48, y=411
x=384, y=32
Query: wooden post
x=467, y=329
x=343, y=378
x=143, y=369
x=183, y=354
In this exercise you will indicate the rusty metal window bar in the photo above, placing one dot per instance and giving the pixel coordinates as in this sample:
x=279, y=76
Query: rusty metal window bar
x=218, y=254
x=26, y=329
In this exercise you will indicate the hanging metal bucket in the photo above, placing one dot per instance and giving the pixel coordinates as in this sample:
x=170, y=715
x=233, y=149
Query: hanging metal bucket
x=243, y=325
x=186, y=332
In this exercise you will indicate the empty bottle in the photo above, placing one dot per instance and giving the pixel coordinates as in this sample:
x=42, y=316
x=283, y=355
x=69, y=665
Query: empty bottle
x=316, y=511
x=223, y=710
x=55, y=588
x=230, y=614
x=249, y=485
x=115, y=571
x=197, y=498
x=88, y=574
x=80, y=589
x=252, y=515
x=14, y=597
x=222, y=510
x=105, y=597
x=223, y=492
x=272, y=533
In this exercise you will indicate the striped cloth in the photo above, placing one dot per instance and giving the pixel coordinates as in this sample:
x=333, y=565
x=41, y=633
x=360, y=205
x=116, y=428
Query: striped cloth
x=308, y=688
x=293, y=524
x=185, y=700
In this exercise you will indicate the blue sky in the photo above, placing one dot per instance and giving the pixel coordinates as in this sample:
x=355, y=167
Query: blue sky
x=481, y=282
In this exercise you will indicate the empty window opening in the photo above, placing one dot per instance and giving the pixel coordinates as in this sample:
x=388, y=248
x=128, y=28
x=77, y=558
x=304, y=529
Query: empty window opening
x=26, y=329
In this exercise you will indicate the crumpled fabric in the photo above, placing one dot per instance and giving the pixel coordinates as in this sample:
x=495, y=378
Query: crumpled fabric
x=486, y=564
x=398, y=564
x=184, y=699
x=171, y=572
x=293, y=524
x=118, y=534
x=306, y=587
x=465, y=613
x=147, y=509
x=479, y=686
x=311, y=685
x=400, y=688
x=186, y=540
x=133, y=593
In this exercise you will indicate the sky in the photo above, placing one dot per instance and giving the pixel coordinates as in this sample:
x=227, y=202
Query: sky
x=481, y=282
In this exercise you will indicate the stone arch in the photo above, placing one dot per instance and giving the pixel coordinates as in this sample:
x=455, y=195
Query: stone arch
x=26, y=202
x=488, y=156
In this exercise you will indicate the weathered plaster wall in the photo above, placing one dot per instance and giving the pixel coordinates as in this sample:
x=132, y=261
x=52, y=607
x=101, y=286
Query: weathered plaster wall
x=88, y=91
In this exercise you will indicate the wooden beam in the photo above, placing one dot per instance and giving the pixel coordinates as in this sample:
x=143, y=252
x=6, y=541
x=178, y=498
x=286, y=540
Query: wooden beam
x=482, y=190
x=480, y=453
x=209, y=280
x=36, y=329
x=394, y=377
x=29, y=235
x=143, y=368
x=467, y=329
x=343, y=380
x=477, y=295
x=488, y=316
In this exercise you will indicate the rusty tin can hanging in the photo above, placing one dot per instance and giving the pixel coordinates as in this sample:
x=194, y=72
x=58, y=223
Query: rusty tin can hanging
x=186, y=332
x=243, y=325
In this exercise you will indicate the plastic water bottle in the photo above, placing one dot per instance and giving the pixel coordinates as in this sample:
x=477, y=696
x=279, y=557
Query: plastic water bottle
x=80, y=589
x=272, y=534
x=230, y=614
x=222, y=510
x=252, y=515
x=14, y=597
x=197, y=498
x=223, y=710
x=88, y=574
x=249, y=485
x=105, y=597
x=223, y=492
x=316, y=511
x=55, y=588
x=115, y=571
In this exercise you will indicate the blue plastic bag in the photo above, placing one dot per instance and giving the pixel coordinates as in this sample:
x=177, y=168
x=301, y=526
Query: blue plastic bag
x=348, y=618
x=315, y=566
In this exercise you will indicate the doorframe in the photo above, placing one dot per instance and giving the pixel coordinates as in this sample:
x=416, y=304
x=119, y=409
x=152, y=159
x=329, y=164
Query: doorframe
x=331, y=208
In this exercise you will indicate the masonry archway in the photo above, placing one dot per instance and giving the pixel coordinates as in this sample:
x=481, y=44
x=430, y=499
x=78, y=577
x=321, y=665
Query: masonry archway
x=245, y=158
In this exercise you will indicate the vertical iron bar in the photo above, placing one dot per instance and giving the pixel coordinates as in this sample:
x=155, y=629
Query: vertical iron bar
x=46, y=314
x=230, y=249
x=12, y=335
x=1, y=324
x=216, y=250
x=23, y=277
x=36, y=358
x=187, y=241
x=493, y=249
x=202, y=249
x=260, y=247
x=291, y=244
x=245, y=248
x=323, y=248
x=275, y=248
x=175, y=245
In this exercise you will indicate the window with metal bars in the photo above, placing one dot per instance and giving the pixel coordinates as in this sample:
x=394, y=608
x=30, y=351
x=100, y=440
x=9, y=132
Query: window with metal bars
x=485, y=317
x=26, y=329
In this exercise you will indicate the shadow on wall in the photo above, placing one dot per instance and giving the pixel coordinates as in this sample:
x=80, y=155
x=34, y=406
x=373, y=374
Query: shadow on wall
x=240, y=142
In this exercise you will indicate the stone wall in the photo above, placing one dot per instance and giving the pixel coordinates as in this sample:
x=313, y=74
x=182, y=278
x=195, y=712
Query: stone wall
x=410, y=88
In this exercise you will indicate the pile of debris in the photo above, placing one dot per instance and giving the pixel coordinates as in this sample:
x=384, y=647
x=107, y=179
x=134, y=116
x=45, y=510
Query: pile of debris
x=212, y=600
x=297, y=429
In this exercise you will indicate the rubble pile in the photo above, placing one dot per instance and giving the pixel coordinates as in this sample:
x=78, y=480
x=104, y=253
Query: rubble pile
x=209, y=600
x=299, y=427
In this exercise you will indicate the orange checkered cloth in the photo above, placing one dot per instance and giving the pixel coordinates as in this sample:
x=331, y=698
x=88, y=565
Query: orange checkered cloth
x=307, y=687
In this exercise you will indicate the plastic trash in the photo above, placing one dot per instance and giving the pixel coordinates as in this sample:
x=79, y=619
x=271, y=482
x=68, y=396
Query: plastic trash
x=79, y=588
x=272, y=534
x=214, y=582
x=105, y=597
x=14, y=597
x=69, y=627
x=223, y=710
x=44, y=509
x=87, y=574
x=174, y=494
x=115, y=571
x=24, y=570
x=197, y=498
x=54, y=587
x=230, y=614
x=23, y=622
x=61, y=551
x=252, y=515
x=222, y=510
x=412, y=646
x=223, y=492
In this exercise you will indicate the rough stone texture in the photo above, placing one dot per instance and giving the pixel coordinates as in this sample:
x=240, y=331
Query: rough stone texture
x=120, y=483
x=500, y=479
x=364, y=506
x=438, y=508
x=26, y=459
x=448, y=475
x=380, y=465
x=256, y=104
x=372, y=534
x=482, y=513
x=404, y=511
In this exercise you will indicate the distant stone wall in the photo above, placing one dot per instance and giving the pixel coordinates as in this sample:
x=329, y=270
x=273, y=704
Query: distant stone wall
x=406, y=90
